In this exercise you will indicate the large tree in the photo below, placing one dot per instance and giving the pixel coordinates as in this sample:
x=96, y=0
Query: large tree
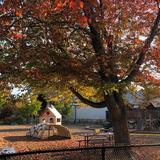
x=102, y=44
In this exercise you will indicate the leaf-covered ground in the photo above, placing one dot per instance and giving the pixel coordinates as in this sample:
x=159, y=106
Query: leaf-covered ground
x=15, y=136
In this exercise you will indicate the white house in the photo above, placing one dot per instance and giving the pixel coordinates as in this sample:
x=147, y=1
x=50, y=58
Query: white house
x=50, y=115
x=87, y=113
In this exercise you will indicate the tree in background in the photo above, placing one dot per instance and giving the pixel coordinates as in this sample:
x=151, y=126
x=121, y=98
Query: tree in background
x=99, y=45
x=65, y=109
x=3, y=99
x=7, y=106
x=27, y=109
x=61, y=104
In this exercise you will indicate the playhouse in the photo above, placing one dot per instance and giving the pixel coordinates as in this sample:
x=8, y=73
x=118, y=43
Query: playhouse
x=49, y=125
x=50, y=115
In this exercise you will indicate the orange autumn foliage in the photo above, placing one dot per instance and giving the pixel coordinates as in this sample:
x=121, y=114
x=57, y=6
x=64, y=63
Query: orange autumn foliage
x=81, y=4
x=48, y=25
x=19, y=13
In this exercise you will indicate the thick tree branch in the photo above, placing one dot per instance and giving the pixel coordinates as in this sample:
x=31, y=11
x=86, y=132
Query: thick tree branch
x=95, y=36
x=86, y=101
x=139, y=61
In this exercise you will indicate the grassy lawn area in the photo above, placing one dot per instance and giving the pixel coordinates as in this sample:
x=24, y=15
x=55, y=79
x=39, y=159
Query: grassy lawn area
x=145, y=134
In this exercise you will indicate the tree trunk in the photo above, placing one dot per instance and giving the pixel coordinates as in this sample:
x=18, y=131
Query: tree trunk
x=119, y=121
x=121, y=136
x=120, y=129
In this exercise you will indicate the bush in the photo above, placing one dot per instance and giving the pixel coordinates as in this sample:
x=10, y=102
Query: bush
x=7, y=112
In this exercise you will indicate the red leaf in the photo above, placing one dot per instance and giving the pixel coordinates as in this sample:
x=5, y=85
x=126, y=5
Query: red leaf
x=17, y=36
x=72, y=5
x=83, y=21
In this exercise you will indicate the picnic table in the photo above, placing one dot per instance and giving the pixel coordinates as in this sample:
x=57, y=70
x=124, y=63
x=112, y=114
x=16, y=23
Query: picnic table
x=94, y=138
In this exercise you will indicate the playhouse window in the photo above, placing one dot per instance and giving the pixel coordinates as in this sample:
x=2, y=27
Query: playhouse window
x=58, y=120
x=51, y=120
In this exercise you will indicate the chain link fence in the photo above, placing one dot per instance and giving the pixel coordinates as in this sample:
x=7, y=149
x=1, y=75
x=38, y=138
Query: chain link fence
x=141, y=152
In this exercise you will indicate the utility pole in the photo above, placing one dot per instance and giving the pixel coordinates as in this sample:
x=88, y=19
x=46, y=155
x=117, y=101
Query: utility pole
x=75, y=114
x=75, y=105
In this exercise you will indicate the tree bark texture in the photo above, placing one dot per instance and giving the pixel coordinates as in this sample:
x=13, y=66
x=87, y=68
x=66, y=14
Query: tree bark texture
x=118, y=115
x=120, y=129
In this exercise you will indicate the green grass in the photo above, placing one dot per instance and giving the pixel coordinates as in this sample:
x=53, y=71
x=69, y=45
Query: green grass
x=145, y=134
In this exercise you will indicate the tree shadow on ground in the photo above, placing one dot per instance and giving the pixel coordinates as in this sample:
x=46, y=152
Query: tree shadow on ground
x=26, y=138
x=13, y=130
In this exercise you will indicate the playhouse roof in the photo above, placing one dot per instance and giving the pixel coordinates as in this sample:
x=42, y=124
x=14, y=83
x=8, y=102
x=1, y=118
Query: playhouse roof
x=54, y=111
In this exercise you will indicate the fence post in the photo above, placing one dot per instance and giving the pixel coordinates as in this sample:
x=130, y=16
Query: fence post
x=103, y=153
x=3, y=157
